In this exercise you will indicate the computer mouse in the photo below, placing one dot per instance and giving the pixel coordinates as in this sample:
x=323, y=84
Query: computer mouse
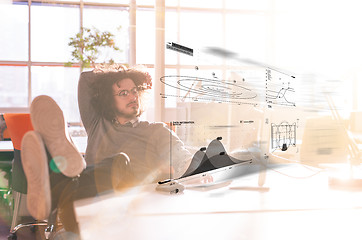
x=171, y=186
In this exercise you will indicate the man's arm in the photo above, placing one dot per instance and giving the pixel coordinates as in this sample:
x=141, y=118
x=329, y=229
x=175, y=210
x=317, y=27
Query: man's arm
x=87, y=112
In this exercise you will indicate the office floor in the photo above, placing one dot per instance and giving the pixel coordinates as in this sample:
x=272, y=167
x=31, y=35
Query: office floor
x=22, y=234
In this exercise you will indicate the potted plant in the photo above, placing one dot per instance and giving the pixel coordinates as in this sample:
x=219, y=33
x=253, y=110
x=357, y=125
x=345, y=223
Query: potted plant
x=87, y=46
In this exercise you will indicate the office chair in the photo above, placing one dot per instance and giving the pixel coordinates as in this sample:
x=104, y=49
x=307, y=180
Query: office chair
x=5, y=169
x=18, y=124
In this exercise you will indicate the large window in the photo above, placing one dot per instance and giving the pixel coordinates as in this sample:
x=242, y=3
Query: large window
x=51, y=28
x=322, y=44
x=14, y=86
x=35, y=48
x=14, y=44
x=236, y=26
x=114, y=20
x=303, y=37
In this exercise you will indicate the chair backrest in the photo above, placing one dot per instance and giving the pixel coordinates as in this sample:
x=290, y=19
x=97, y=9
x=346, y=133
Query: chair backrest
x=6, y=135
x=18, y=124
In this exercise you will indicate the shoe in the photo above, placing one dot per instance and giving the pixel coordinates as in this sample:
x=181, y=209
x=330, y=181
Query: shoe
x=48, y=120
x=122, y=175
x=35, y=165
x=112, y=174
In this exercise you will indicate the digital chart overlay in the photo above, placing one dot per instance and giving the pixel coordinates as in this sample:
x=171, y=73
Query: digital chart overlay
x=208, y=89
x=210, y=158
x=283, y=135
x=279, y=90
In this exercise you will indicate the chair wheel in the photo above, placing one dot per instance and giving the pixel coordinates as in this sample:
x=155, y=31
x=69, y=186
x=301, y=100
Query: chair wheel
x=12, y=236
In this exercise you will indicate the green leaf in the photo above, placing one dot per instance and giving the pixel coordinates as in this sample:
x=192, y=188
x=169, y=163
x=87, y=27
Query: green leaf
x=68, y=64
x=87, y=44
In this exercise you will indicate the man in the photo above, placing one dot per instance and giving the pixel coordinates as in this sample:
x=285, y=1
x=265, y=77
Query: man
x=122, y=151
x=110, y=103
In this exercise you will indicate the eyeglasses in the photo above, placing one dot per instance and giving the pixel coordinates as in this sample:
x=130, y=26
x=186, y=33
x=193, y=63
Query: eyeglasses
x=126, y=93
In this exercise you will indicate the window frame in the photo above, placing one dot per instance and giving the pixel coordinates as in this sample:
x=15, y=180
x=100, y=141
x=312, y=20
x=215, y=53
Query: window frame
x=159, y=65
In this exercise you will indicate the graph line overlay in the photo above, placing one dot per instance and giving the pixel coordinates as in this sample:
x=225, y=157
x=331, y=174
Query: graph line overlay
x=208, y=89
x=278, y=89
x=283, y=135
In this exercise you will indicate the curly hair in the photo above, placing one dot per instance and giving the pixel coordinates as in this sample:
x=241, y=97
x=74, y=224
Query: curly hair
x=102, y=98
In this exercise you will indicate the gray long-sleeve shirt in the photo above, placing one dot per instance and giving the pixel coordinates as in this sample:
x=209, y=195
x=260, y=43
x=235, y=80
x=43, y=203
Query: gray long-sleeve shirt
x=147, y=144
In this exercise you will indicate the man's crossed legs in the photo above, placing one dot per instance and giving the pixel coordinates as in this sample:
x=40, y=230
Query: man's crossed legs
x=56, y=172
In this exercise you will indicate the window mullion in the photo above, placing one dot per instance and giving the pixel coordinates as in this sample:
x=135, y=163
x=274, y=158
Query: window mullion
x=29, y=54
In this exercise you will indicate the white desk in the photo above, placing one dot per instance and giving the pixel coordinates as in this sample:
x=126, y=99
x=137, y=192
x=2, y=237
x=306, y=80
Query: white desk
x=6, y=146
x=80, y=143
x=291, y=209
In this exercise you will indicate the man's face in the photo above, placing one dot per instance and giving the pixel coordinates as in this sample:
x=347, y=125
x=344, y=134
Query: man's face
x=126, y=100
